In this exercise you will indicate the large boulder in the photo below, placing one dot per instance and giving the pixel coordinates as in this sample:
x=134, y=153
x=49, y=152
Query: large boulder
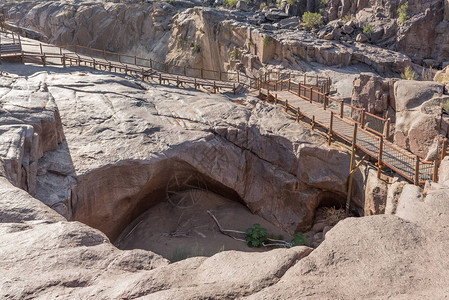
x=375, y=94
x=418, y=108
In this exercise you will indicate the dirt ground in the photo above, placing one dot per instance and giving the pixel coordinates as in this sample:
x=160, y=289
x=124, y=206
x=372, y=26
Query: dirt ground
x=181, y=227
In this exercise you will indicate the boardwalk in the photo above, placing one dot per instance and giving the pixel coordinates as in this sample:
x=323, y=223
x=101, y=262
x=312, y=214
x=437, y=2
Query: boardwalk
x=308, y=99
x=368, y=141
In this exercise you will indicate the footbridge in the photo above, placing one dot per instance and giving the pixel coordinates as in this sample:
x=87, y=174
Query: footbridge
x=304, y=97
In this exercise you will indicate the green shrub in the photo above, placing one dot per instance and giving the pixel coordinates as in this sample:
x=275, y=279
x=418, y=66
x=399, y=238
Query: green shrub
x=312, y=20
x=255, y=236
x=262, y=5
x=267, y=40
x=346, y=18
x=196, y=48
x=234, y=54
x=232, y=28
x=403, y=13
x=251, y=43
x=292, y=2
x=322, y=6
x=409, y=74
x=230, y=3
x=368, y=29
x=298, y=239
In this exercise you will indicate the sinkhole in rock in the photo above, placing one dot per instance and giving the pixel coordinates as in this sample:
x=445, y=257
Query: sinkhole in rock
x=171, y=214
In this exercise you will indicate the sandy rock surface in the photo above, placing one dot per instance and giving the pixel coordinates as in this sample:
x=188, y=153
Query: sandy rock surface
x=125, y=140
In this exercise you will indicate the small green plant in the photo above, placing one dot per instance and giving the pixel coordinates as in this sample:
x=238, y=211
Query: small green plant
x=196, y=48
x=278, y=3
x=182, y=252
x=234, y=54
x=263, y=5
x=232, y=28
x=403, y=13
x=368, y=29
x=346, y=18
x=267, y=40
x=180, y=40
x=322, y=6
x=230, y=3
x=409, y=74
x=251, y=43
x=292, y=2
x=255, y=236
x=298, y=239
x=312, y=20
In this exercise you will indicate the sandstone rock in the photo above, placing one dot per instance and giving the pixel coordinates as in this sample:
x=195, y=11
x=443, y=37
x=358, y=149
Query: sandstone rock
x=375, y=194
x=417, y=111
x=393, y=196
x=374, y=94
x=348, y=29
x=361, y=38
x=241, y=5
x=274, y=15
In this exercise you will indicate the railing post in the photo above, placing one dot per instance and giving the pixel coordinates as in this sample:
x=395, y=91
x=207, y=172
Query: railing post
x=299, y=89
x=275, y=98
x=305, y=78
x=379, y=158
x=387, y=128
x=220, y=76
x=325, y=102
x=297, y=115
x=331, y=124
x=234, y=89
x=316, y=80
x=286, y=105
x=342, y=104
x=90, y=52
x=238, y=77
x=313, y=122
x=362, y=121
x=416, y=179
x=310, y=95
x=135, y=60
x=351, y=167
x=151, y=63
x=40, y=46
x=435, y=171
x=119, y=58
x=289, y=83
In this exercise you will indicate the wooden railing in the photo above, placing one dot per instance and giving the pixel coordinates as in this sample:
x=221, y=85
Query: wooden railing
x=374, y=130
x=319, y=94
x=368, y=141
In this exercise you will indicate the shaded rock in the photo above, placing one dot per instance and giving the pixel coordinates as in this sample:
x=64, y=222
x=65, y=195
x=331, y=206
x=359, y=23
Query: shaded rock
x=361, y=38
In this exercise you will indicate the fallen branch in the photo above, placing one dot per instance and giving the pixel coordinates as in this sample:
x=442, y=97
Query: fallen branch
x=224, y=231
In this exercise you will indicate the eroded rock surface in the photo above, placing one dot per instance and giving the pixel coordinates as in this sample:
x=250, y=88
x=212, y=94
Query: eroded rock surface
x=125, y=140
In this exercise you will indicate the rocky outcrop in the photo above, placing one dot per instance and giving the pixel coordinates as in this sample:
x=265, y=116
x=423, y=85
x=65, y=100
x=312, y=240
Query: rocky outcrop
x=119, y=134
x=418, y=108
x=375, y=94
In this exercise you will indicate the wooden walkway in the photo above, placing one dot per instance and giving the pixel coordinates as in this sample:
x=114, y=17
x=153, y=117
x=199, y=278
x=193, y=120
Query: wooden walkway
x=307, y=100
x=375, y=144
